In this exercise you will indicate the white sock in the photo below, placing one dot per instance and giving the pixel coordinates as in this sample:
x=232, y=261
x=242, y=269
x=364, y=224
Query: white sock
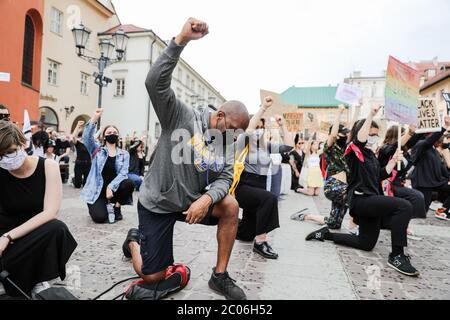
x=40, y=287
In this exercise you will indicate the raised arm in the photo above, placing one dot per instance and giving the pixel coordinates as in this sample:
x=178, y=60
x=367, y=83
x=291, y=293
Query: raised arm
x=335, y=129
x=268, y=102
x=285, y=134
x=363, y=134
x=408, y=135
x=89, y=131
x=356, y=115
x=77, y=131
x=164, y=101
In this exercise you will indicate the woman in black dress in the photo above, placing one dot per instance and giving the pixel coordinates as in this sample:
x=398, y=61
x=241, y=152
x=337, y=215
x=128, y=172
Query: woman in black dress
x=34, y=245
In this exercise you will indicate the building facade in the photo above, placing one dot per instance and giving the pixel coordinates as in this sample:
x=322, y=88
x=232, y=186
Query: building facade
x=68, y=93
x=373, y=90
x=21, y=31
x=430, y=68
x=435, y=87
x=127, y=103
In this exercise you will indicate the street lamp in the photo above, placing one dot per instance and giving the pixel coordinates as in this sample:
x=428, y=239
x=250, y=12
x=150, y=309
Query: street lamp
x=118, y=41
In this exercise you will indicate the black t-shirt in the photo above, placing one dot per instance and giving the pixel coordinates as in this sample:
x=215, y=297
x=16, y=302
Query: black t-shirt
x=61, y=147
x=109, y=174
x=364, y=177
x=298, y=159
x=82, y=152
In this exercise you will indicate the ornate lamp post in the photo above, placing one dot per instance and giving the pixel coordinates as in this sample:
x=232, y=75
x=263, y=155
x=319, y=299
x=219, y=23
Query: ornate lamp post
x=118, y=41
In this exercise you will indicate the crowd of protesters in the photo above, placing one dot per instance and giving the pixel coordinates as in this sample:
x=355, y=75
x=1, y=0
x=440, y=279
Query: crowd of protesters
x=236, y=164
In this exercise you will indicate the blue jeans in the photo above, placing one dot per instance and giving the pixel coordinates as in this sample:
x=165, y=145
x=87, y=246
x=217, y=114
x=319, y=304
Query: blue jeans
x=136, y=180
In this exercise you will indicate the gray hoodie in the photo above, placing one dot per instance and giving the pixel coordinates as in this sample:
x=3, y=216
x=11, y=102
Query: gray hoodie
x=172, y=186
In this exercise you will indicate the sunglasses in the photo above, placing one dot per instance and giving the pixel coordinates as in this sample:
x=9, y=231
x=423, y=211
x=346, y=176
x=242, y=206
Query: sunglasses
x=5, y=116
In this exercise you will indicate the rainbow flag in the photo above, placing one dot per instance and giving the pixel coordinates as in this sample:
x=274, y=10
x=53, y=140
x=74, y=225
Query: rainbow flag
x=402, y=93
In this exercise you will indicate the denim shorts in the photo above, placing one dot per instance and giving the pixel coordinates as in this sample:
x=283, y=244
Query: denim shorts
x=157, y=237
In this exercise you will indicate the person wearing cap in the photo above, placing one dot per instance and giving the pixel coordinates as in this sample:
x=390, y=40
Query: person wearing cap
x=334, y=170
x=49, y=151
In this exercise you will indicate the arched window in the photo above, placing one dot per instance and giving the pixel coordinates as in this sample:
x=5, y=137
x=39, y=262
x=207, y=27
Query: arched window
x=48, y=118
x=28, y=51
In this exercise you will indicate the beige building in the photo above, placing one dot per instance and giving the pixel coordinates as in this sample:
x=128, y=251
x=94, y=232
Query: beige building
x=435, y=87
x=68, y=92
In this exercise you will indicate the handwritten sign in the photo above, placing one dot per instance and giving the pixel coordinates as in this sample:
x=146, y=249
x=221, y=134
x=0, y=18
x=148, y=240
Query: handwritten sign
x=325, y=127
x=402, y=92
x=447, y=99
x=429, y=118
x=293, y=121
x=348, y=94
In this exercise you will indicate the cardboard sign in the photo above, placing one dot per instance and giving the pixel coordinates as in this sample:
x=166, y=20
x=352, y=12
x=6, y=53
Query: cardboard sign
x=429, y=118
x=325, y=127
x=402, y=92
x=447, y=99
x=293, y=121
x=348, y=94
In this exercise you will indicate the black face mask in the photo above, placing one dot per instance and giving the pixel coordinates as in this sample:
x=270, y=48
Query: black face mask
x=112, y=138
x=342, y=142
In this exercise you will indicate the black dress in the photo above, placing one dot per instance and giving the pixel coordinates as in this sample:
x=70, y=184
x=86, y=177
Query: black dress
x=42, y=254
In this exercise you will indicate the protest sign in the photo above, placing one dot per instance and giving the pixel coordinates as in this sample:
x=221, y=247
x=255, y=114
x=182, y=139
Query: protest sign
x=293, y=121
x=325, y=127
x=447, y=99
x=348, y=94
x=429, y=118
x=402, y=93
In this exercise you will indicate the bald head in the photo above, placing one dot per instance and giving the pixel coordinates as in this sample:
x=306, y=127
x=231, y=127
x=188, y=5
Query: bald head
x=236, y=114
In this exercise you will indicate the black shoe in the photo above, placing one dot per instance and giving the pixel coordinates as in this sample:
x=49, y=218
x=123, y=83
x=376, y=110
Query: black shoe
x=402, y=264
x=133, y=236
x=223, y=284
x=318, y=235
x=118, y=213
x=140, y=290
x=265, y=250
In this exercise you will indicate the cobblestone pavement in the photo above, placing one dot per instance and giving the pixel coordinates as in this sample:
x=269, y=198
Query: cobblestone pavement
x=305, y=270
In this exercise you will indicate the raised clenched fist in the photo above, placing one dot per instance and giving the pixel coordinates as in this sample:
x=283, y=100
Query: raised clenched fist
x=193, y=29
x=268, y=102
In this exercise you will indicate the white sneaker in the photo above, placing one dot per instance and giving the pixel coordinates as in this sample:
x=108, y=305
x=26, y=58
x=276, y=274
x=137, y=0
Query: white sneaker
x=412, y=236
x=39, y=288
x=354, y=231
x=435, y=205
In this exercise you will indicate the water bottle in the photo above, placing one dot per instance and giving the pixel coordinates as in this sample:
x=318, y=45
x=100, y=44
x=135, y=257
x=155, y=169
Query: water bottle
x=111, y=215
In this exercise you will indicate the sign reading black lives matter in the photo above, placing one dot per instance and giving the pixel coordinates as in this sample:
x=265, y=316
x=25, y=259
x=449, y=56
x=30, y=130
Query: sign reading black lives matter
x=429, y=118
x=447, y=99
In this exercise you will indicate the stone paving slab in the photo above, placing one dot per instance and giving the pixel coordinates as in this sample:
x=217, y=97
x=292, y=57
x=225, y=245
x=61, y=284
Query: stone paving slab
x=305, y=270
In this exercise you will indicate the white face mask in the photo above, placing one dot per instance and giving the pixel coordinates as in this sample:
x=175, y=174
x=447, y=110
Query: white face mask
x=373, y=142
x=14, y=163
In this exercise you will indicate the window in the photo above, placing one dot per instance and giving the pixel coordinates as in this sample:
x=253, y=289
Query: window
x=180, y=74
x=374, y=90
x=193, y=85
x=84, y=84
x=57, y=21
x=120, y=87
x=53, y=70
x=188, y=81
x=28, y=52
x=179, y=93
x=431, y=73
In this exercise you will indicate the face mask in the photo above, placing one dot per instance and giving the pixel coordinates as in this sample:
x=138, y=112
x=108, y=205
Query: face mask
x=259, y=133
x=372, y=142
x=342, y=142
x=112, y=138
x=11, y=164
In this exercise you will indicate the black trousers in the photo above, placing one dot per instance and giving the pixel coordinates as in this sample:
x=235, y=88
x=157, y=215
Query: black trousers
x=260, y=207
x=374, y=213
x=123, y=195
x=444, y=195
x=415, y=197
x=82, y=169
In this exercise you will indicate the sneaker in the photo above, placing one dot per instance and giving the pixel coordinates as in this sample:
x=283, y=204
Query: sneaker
x=223, y=284
x=39, y=288
x=118, y=213
x=133, y=236
x=402, y=264
x=354, y=231
x=140, y=290
x=441, y=214
x=299, y=216
x=435, y=205
x=318, y=235
x=265, y=250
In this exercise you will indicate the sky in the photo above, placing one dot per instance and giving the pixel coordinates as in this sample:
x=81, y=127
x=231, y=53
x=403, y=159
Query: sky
x=274, y=45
